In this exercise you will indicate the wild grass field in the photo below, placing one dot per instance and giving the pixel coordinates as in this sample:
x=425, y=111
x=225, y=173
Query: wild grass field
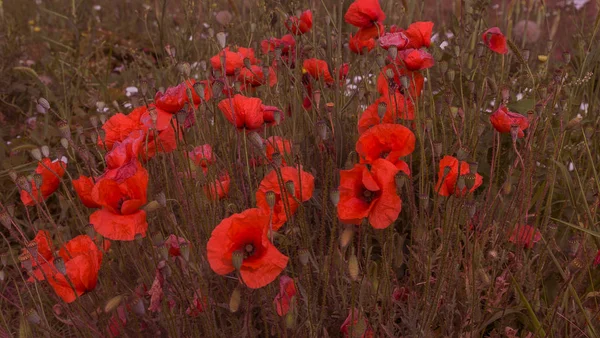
x=269, y=168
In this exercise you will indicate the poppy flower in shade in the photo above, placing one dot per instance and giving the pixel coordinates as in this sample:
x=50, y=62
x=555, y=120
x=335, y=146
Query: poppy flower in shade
x=202, y=156
x=343, y=71
x=317, y=69
x=233, y=60
x=495, y=40
x=244, y=112
x=303, y=184
x=83, y=187
x=364, y=13
x=397, y=39
x=396, y=107
x=219, y=188
x=360, y=46
x=299, y=25
x=271, y=115
x=502, y=120
x=51, y=172
x=389, y=141
x=286, y=44
x=243, y=237
x=252, y=76
x=119, y=126
x=387, y=85
x=82, y=260
x=357, y=324
x=41, y=257
x=448, y=176
x=199, y=304
x=174, y=98
x=121, y=193
x=125, y=151
x=173, y=243
x=287, y=292
x=525, y=236
x=419, y=34
x=369, y=193
x=416, y=59
x=276, y=144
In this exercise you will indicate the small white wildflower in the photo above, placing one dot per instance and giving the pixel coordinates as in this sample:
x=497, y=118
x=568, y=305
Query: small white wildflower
x=131, y=91
x=519, y=96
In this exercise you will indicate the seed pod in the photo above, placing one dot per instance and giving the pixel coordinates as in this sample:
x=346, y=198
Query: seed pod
x=184, y=248
x=235, y=300
x=353, y=267
x=450, y=75
x=38, y=180
x=346, y=236
x=25, y=260
x=36, y=153
x=469, y=180
x=199, y=89
x=303, y=256
x=323, y=130
x=507, y=187
x=271, y=198
x=163, y=251
x=113, y=303
x=404, y=81
x=462, y=154
x=574, y=122
x=24, y=184
x=334, y=196
x=381, y=109
x=32, y=248
x=437, y=149
x=289, y=187
x=237, y=259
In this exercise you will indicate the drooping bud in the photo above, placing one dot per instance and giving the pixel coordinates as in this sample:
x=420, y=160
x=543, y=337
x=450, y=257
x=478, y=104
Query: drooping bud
x=334, y=196
x=113, y=303
x=346, y=236
x=237, y=259
x=184, y=248
x=44, y=103
x=303, y=256
x=36, y=153
x=290, y=188
x=353, y=267
x=235, y=300
x=45, y=150
x=33, y=317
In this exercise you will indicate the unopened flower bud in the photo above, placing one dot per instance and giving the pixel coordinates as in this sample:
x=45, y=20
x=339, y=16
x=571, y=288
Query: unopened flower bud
x=33, y=317
x=38, y=180
x=290, y=188
x=45, y=150
x=469, y=180
x=113, y=303
x=222, y=39
x=450, y=75
x=237, y=259
x=437, y=148
x=271, y=199
x=381, y=109
x=44, y=103
x=199, y=89
x=346, y=236
x=380, y=61
x=389, y=73
x=404, y=81
x=353, y=267
x=184, y=248
x=235, y=300
x=24, y=184
x=334, y=196
x=393, y=52
x=303, y=256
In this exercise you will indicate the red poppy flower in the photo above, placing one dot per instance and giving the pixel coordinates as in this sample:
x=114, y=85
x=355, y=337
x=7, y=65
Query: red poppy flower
x=300, y=25
x=304, y=186
x=525, y=236
x=233, y=60
x=502, y=119
x=243, y=237
x=202, y=156
x=287, y=292
x=495, y=40
x=252, y=76
x=597, y=259
x=125, y=151
x=269, y=115
x=82, y=260
x=121, y=193
x=396, y=107
x=416, y=59
x=51, y=173
x=354, y=316
x=173, y=243
x=199, y=304
x=83, y=187
x=219, y=188
x=389, y=141
x=286, y=44
x=419, y=34
x=364, y=13
x=174, y=98
x=397, y=39
x=369, y=193
x=343, y=71
x=386, y=85
x=360, y=46
x=41, y=257
x=119, y=126
x=244, y=112
x=276, y=144
x=447, y=178
x=317, y=69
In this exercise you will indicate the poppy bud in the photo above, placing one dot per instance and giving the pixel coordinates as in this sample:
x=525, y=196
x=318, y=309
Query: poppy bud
x=525, y=53
x=437, y=148
x=237, y=259
x=400, y=180
x=25, y=259
x=44, y=103
x=157, y=238
x=13, y=175
x=256, y=140
x=469, y=180
x=480, y=49
x=64, y=129
x=45, y=151
x=163, y=251
x=36, y=153
x=381, y=109
x=38, y=180
x=270, y=197
x=59, y=264
x=290, y=318
x=113, y=303
x=389, y=73
x=574, y=122
x=184, y=248
x=514, y=132
x=235, y=300
x=303, y=256
x=222, y=40
x=199, y=89
x=353, y=267
x=404, y=81
x=393, y=52
x=428, y=125
x=24, y=184
x=334, y=196
x=462, y=154
x=181, y=116
x=322, y=130
x=573, y=247
x=2, y=275
x=217, y=89
x=137, y=306
x=316, y=98
x=33, y=317
x=456, y=49
x=6, y=220
x=346, y=236
x=542, y=58
x=289, y=187
x=450, y=75
x=473, y=166
x=461, y=184
x=40, y=109
x=380, y=61
x=507, y=187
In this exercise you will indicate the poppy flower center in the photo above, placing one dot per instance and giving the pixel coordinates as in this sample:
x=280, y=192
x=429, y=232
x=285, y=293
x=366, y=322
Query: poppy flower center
x=368, y=195
x=248, y=250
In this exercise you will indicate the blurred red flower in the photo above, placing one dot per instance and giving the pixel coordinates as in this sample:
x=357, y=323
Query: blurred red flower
x=369, y=191
x=386, y=86
x=83, y=187
x=300, y=25
x=398, y=39
x=317, y=69
x=419, y=34
x=525, y=236
x=174, y=98
x=277, y=144
x=254, y=76
x=351, y=324
x=303, y=185
x=287, y=292
x=173, y=243
x=495, y=40
x=396, y=107
x=219, y=188
x=416, y=59
x=286, y=44
x=502, y=120
x=51, y=173
x=388, y=141
x=233, y=60
x=202, y=156
x=243, y=238
x=364, y=13
x=360, y=46
x=244, y=112
x=119, y=126
x=448, y=176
